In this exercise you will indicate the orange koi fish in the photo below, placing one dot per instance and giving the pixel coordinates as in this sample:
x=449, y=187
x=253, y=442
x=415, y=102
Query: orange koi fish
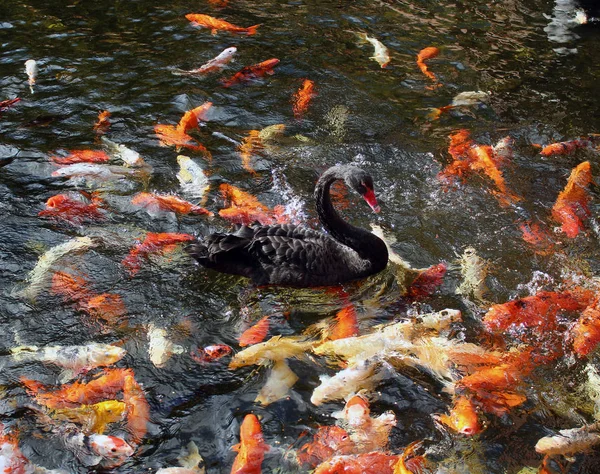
x=138, y=409
x=211, y=353
x=408, y=462
x=571, y=206
x=74, y=209
x=103, y=123
x=169, y=135
x=535, y=235
x=104, y=387
x=7, y=104
x=251, y=144
x=154, y=242
x=251, y=449
x=346, y=323
x=107, y=307
x=482, y=160
x=169, y=203
x=427, y=281
x=81, y=156
x=192, y=117
x=303, y=97
x=424, y=55
x=245, y=209
x=566, y=148
x=369, y=463
x=463, y=417
x=251, y=72
x=586, y=332
x=70, y=287
x=327, y=441
x=256, y=333
x=216, y=24
x=539, y=310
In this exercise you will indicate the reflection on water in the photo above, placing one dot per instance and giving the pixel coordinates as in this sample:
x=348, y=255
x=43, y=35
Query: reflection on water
x=119, y=56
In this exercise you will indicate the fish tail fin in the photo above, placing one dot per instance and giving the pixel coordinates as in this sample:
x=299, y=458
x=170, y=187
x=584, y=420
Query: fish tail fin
x=252, y=29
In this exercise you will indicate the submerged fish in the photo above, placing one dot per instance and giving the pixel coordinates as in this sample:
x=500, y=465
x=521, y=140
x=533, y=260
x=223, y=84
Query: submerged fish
x=155, y=203
x=474, y=270
x=569, y=442
x=215, y=24
x=279, y=381
x=81, y=156
x=93, y=418
x=381, y=55
x=160, y=348
x=191, y=177
x=256, y=333
x=251, y=448
x=31, y=68
x=103, y=123
x=127, y=155
x=251, y=72
x=425, y=54
x=215, y=64
x=74, y=208
x=191, y=463
x=89, y=170
x=303, y=97
x=152, y=243
x=572, y=205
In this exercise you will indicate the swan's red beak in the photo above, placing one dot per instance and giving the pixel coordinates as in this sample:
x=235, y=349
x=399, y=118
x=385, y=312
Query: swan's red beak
x=369, y=196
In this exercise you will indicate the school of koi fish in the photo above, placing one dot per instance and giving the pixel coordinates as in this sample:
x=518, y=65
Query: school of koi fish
x=103, y=414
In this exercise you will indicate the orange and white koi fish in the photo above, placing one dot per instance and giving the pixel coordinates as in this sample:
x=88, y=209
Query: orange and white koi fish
x=74, y=209
x=251, y=449
x=569, y=442
x=369, y=463
x=382, y=54
x=170, y=135
x=211, y=353
x=93, y=418
x=155, y=203
x=303, y=97
x=216, y=24
x=424, y=55
x=81, y=156
x=249, y=73
x=463, y=417
x=256, y=333
x=103, y=123
x=31, y=68
x=95, y=449
x=327, y=442
x=566, y=148
x=152, y=243
x=215, y=64
x=572, y=205
x=138, y=408
x=191, y=463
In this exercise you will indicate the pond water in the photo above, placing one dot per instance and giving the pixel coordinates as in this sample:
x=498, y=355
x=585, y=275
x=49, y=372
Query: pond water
x=541, y=83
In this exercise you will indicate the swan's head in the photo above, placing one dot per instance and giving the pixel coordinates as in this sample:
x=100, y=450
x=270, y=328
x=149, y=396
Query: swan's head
x=362, y=183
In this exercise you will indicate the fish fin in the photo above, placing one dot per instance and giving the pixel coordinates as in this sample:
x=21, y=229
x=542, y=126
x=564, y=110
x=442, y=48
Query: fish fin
x=66, y=375
x=190, y=458
x=213, y=31
x=251, y=30
x=236, y=447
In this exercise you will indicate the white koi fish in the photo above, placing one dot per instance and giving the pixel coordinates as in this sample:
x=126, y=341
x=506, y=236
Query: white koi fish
x=192, y=463
x=281, y=378
x=127, y=155
x=215, y=64
x=31, y=68
x=104, y=172
x=160, y=348
x=381, y=55
x=191, y=177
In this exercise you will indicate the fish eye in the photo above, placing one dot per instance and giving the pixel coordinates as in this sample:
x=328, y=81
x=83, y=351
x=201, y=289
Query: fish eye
x=113, y=450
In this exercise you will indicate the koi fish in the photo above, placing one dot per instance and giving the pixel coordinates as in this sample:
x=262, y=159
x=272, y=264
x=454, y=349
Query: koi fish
x=81, y=156
x=408, y=463
x=70, y=287
x=152, y=243
x=463, y=417
x=303, y=97
x=216, y=24
x=7, y=104
x=97, y=448
x=215, y=64
x=482, y=160
x=192, y=117
x=535, y=235
x=361, y=374
x=12, y=460
x=168, y=203
x=121, y=152
x=76, y=358
x=250, y=145
x=107, y=307
x=346, y=323
x=462, y=99
x=368, y=463
x=586, y=331
x=246, y=209
x=211, y=353
x=279, y=381
x=90, y=170
x=38, y=276
x=249, y=73
x=192, y=463
x=251, y=449
x=138, y=408
x=424, y=55
x=381, y=55
x=31, y=68
x=571, y=206
x=170, y=135
x=93, y=418
x=327, y=442
x=474, y=271
x=256, y=333
x=566, y=148
x=103, y=123
x=103, y=387
x=74, y=209
x=569, y=442
x=276, y=348
x=427, y=281
x=192, y=177
x=160, y=348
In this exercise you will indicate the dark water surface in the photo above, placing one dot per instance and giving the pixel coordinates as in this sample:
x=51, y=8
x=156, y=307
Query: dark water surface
x=118, y=56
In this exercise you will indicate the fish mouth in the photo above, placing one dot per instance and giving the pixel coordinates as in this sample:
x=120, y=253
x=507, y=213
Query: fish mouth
x=369, y=196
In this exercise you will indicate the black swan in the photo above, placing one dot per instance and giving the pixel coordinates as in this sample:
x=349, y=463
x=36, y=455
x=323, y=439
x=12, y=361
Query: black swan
x=297, y=256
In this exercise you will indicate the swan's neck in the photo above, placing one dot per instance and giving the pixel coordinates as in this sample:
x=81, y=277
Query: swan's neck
x=367, y=245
